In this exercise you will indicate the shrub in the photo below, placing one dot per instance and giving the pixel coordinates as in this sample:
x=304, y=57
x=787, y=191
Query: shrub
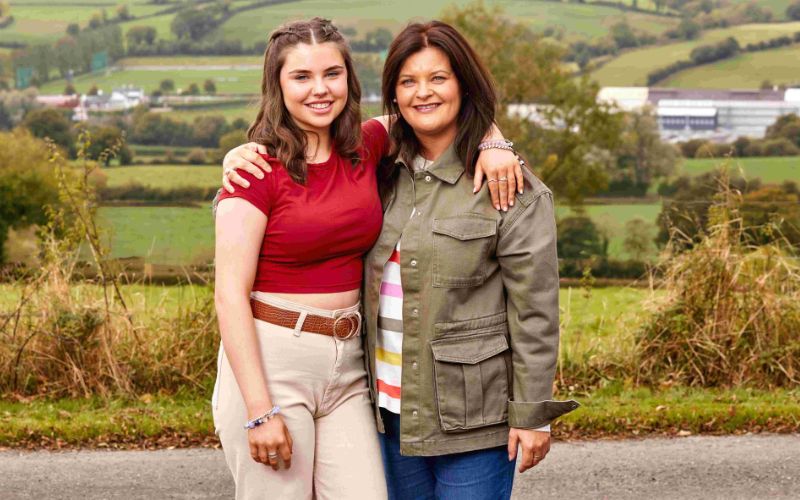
x=779, y=147
x=787, y=127
x=730, y=312
x=689, y=148
x=135, y=192
x=73, y=338
x=602, y=268
x=196, y=157
x=793, y=11
x=579, y=238
x=639, y=238
x=52, y=123
x=228, y=142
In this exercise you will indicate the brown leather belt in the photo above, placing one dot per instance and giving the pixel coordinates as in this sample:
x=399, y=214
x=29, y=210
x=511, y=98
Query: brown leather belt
x=342, y=326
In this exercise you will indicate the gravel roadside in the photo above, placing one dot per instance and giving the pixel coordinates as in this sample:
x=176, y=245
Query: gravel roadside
x=731, y=467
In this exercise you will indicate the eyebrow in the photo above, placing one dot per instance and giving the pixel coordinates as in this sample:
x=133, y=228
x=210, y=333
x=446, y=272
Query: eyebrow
x=338, y=66
x=404, y=75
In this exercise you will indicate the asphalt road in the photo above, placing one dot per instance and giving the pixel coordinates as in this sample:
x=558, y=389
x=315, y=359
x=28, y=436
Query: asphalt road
x=764, y=466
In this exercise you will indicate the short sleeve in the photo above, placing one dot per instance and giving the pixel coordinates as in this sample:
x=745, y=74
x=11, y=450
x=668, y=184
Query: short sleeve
x=260, y=194
x=375, y=139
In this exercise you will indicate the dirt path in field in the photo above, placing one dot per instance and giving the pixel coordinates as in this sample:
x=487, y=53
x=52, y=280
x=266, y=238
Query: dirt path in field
x=763, y=466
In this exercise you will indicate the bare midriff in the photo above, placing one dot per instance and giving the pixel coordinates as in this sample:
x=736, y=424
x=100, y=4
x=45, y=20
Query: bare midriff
x=330, y=301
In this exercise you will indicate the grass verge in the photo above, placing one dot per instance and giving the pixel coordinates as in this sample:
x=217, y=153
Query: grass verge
x=153, y=422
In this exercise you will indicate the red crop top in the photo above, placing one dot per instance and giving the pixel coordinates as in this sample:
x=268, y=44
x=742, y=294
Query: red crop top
x=317, y=234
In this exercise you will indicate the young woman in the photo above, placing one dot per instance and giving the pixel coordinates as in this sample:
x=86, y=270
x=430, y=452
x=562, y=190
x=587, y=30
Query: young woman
x=291, y=402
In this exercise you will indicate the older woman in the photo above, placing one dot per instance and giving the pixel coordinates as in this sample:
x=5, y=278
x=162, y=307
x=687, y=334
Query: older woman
x=461, y=300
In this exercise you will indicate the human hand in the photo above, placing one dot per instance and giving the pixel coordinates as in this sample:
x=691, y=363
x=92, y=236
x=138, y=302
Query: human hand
x=503, y=173
x=535, y=446
x=269, y=441
x=244, y=157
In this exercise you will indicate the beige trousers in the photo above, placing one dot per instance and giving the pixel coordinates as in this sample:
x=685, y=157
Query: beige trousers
x=320, y=384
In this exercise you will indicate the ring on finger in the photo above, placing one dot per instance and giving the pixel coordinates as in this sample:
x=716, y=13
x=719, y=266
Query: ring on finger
x=227, y=171
x=503, y=179
x=492, y=180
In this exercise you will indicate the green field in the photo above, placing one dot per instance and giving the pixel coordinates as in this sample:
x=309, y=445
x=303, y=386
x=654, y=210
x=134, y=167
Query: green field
x=40, y=22
x=778, y=7
x=161, y=235
x=227, y=81
x=181, y=235
x=743, y=71
x=165, y=176
x=611, y=220
x=132, y=62
x=772, y=170
x=584, y=21
x=37, y=21
x=230, y=112
x=602, y=323
x=632, y=67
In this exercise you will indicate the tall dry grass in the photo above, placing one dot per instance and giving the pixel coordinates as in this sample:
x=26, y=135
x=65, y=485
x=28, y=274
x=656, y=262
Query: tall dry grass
x=730, y=313
x=71, y=338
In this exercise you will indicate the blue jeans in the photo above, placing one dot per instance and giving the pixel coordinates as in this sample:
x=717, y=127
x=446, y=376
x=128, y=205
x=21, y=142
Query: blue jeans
x=474, y=475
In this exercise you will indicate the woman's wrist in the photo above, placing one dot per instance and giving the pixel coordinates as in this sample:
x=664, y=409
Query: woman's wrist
x=262, y=418
x=258, y=408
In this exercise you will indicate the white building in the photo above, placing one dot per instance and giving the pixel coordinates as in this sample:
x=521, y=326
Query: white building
x=120, y=99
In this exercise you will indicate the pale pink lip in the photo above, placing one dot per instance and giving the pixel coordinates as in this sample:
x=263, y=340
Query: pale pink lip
x=420, y=109
x=320, y=111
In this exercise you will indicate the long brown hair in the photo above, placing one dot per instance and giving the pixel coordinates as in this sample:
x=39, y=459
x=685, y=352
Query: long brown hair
x=478, y=97
x=274, y=126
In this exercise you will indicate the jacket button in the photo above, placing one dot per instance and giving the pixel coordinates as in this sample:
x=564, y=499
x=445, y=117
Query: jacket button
x=415, y=312
x=427, y=178
x=413, y=263
x=414, y=365
x=414, y=413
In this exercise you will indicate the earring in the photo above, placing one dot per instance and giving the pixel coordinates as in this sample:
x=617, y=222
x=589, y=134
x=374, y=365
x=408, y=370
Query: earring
x=394, y=100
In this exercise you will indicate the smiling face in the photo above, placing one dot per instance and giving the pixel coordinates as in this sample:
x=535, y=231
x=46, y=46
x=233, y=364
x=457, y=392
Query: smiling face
x=428, y=94
x=313, y=81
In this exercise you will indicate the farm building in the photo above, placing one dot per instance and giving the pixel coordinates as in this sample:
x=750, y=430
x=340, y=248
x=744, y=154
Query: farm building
x=717, y=115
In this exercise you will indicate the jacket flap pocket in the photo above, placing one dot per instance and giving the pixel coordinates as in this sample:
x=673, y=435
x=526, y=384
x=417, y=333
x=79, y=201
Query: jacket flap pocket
x=465, y=227
x=469, y=350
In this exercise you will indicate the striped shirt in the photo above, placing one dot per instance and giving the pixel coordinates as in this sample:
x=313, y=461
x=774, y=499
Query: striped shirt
x=389, y=349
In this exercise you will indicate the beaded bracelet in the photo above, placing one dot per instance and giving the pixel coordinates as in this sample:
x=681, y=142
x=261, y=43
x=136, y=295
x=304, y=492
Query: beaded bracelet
x=252, y=424
x=504, y=144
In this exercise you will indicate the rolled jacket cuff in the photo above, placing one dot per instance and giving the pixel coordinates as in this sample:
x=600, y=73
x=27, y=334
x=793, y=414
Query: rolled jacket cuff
x=530, y=415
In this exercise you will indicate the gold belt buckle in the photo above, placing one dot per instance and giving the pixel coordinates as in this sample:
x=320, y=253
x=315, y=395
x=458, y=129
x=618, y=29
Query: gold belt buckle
x=353, y=319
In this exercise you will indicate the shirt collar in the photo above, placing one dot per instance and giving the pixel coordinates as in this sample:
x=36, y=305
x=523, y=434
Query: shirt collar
x=447, y=167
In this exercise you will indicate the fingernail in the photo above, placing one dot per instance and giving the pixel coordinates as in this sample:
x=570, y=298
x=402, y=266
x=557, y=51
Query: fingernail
x=259, y=176
x=497, y=207
x=246, y=184
x=510, y=203
x=269, y=169
x=474, y=190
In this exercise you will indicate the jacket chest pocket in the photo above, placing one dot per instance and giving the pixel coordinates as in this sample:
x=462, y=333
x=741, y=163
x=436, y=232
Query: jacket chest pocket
x=472, y=379
x=461, y=248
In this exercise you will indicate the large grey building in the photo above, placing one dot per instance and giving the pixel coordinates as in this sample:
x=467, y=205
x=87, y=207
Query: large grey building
x=717, y=115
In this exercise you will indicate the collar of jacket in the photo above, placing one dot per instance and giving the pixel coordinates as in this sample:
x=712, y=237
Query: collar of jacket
x=447, y=167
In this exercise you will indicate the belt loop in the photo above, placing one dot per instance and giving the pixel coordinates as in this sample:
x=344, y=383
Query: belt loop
x=299, y=325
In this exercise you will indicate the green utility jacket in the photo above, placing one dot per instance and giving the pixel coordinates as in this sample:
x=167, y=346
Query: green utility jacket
x=480, y=309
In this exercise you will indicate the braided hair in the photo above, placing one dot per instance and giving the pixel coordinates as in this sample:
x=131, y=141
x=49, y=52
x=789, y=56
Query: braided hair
x=274, y=126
